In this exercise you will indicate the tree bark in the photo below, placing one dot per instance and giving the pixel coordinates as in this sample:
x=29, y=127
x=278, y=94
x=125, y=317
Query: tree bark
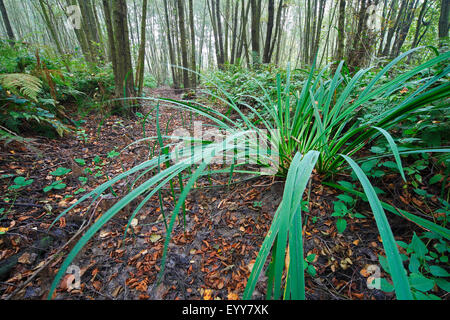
x=271, y=12
x=255, y=30
x=171, y=49
x=124, y=84
x=183, y=44
x=141, y=58
x=52, y=30
x=7, y=23
x=341, y=31
x=110, y=31
x=193, y=59
x=443, y=22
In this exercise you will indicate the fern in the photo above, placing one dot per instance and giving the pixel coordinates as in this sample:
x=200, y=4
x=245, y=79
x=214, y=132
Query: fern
x=22, y=84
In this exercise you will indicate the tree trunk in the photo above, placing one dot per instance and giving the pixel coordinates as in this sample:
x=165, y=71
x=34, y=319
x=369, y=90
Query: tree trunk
x=306, y=43
x=243, y=37
x=341, y=31
x=90, y=28
x=219, y=32
x=193, y=59
x=271, y=12
x=141, y=58
x=443, y=23
x=404, y=28
x=8, y=27
x=393, y=29
x=171, y=49
x=124, y=84
x=52, y=30
x=318, y=30
x=255, y=29
x=277, y=29
x=234, y=34
x=110, y=31
x=183, y=44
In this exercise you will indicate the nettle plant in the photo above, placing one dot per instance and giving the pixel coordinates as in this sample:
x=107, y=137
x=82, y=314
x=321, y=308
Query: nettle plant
x=312, y=130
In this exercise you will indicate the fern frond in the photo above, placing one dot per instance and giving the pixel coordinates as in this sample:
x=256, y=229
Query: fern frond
x=21, y=84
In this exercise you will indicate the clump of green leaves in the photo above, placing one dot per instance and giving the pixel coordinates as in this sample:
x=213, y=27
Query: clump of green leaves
x=308, y=264
x=426, y=266
x=61, y=171
x=56, y=185
x=20, y=182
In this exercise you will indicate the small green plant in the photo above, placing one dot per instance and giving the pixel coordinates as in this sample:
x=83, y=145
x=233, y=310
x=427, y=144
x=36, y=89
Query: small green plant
x=81, y=190
x=370, y=168
x=61, y=171
x=425, y=266
x=308, y=264
x=82, y=135
x=81, y=162
x=113, y=154
x=345, y=208
x=257, y=204
x=20, y=182
x=56, y=185
x=413, y=170
x=97, y=160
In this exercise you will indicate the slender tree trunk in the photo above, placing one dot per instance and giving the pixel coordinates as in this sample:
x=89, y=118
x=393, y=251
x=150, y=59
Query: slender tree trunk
x=226, y=26
x=81, y=37
x=404, y=28
x=193, y=59
x=419, y=23
x=306, y=43
x=392, y=30
x=443, y=23
x=318, y=29
x=234, y=39
x=183, y=44
x=341, y=31
x=271, y=12
x=52, y=30
x=171, y=49
x=7, y=23
x=256, y=23
x=141, y=58
x=277, y=29
x=124, y=83
x=219, y=32
x=110, y=31
x=243, y=37
x=89, y=26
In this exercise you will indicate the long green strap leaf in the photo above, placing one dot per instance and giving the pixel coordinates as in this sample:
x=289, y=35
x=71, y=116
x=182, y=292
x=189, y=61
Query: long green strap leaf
x=398, y=273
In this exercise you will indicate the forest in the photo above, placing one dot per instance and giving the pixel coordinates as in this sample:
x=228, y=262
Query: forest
x=224, y=150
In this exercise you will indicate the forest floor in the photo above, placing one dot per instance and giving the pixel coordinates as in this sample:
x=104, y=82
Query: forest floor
x=211, y=259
